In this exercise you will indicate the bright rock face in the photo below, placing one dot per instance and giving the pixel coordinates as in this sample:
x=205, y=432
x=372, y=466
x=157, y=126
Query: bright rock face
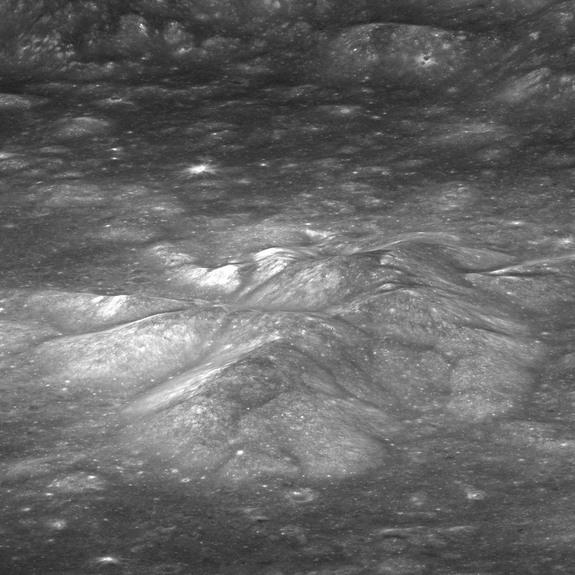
x=314, y=363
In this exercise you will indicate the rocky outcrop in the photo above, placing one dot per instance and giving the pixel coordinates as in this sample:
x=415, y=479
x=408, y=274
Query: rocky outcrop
x=315, y=361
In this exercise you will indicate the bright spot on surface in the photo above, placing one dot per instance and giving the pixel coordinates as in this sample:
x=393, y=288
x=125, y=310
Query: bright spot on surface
x=566, y=241
x=57, y=524
x=303, y=495
x=474, y=494
x=199, y=169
